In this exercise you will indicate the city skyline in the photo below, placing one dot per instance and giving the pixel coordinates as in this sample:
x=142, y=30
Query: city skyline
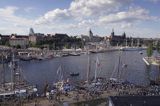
x=75, y=17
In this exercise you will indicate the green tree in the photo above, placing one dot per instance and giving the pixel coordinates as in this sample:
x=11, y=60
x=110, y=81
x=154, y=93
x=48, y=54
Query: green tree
x=150, y=50
x=158, y=47
x=18, y=46
x=7, y=43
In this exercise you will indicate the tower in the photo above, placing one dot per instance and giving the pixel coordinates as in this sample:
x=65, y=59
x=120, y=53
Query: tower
x=124, y=35
x=90, y=35
x=31, y=31
x=112, y=33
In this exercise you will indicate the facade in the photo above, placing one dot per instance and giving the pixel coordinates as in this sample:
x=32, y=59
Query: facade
x=117, y=39
x=91, y=37
x=36, y=38
x=32, y=39
x=22, y=42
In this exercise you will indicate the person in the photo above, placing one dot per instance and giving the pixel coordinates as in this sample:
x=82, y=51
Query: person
x=65, y=104
x=35, y=103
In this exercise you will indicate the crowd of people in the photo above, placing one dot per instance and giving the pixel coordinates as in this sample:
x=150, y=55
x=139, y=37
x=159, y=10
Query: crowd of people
x=96, y=89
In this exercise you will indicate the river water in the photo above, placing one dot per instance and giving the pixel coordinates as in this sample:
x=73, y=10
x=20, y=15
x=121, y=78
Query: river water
x=41, y=72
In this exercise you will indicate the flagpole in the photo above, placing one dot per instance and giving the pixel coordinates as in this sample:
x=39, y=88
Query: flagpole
x=88, y=70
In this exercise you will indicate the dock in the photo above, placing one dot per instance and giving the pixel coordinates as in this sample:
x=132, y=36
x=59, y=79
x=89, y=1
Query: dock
x=147, y=63
x=151, y=61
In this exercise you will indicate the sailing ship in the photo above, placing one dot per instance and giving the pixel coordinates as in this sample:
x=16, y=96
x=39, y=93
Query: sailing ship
x=132, y=48
x=18, y=86
x=118, y=70
x=61, y=84
x=24, y=56
x=96, y=68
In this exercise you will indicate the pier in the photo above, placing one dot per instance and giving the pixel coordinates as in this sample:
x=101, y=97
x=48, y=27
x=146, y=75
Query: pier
x=151, y=61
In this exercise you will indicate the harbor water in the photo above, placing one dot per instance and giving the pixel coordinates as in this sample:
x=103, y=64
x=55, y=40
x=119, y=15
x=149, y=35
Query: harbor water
x=41, y=72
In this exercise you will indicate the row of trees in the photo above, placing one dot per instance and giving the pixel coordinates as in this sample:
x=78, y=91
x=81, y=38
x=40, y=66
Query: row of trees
x=151, y=47
x=59, y=42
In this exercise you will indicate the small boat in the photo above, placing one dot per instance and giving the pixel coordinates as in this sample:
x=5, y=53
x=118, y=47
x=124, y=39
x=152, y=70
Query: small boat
x=65, y=55
x=57, y=55
x=74, y=54
x=113, y=79
x=140, y=52
x=40, y=58
x=74, y=74
x=124, y=65
x=25, y=58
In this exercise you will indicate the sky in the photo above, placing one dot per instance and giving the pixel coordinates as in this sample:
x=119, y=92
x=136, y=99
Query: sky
x=138, y=18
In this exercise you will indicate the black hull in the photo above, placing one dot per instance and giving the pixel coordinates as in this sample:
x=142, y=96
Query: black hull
x=74, y=74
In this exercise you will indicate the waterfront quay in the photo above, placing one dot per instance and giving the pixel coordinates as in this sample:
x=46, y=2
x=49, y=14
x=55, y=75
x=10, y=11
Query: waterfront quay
x=40, y=54
x=87, y=95
x=132, y=79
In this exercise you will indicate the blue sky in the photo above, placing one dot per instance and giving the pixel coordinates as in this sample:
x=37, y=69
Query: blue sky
x=138, y=18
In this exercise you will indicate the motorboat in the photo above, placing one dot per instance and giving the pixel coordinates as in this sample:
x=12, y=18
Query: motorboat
x=74, y=74
x=74, y=54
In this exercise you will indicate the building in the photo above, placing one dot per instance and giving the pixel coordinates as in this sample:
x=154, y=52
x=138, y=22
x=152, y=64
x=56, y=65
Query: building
x=22, y=42
x=134, y=101
x=35, y=38
x=31, y=31
x=91, y=37
x=4, y=39
x=117, y=39
x=61, y=36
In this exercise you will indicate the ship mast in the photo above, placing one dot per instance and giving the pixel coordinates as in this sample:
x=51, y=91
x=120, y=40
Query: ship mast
x=118, y=73
x=2, y=72
x=16, y=78
x=89, y=68
x=96, y=69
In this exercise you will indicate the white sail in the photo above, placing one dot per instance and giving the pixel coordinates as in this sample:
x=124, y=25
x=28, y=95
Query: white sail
x=59, y=70
x=116, y=74
x=97, y=67
x=60, y=73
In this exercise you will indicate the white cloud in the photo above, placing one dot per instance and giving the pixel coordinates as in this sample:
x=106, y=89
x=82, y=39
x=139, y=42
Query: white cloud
x=95, y=7
x=7, y=11
x=134, y=14
x=53, y=16
x=7, y=14
x=95, y=13
x=82, y=9
x=126, y=25
x=11, y=22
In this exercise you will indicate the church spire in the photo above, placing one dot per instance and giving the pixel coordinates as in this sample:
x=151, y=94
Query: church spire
x=112, y=34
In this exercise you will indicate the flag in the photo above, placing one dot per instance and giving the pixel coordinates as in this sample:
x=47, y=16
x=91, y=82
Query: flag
x=59, y=70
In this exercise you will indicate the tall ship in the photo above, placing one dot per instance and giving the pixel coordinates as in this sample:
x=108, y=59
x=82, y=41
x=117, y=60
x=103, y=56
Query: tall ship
x=17, y=86
x=133, y=48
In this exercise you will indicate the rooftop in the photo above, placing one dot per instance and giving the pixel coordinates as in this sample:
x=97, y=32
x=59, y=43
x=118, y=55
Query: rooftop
x=135, y=100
